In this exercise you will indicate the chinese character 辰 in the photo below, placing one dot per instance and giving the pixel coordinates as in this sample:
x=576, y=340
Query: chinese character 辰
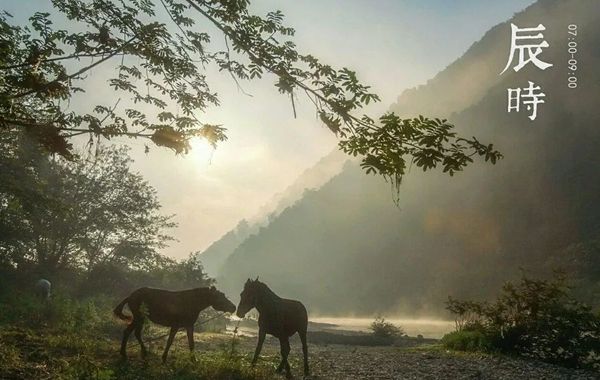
x=529, y=96
x=528, y=46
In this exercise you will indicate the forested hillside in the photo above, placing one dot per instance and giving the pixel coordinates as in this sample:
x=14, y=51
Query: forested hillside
x=345, y=248
x=312, y=178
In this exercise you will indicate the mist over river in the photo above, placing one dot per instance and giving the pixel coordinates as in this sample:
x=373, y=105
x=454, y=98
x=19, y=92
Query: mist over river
x=429, y=328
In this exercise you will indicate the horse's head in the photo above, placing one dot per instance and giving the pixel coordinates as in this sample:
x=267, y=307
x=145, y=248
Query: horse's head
x=247, y=297
x=219, y=302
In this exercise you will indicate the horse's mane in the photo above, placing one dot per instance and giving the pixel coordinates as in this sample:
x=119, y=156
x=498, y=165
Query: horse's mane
x=266, y=290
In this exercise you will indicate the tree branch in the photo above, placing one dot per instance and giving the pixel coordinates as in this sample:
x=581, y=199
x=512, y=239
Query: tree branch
x=77, y=73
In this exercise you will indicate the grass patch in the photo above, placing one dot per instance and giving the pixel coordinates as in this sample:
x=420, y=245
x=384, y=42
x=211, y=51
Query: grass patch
x=78, y=339
x=48, y=354
x=467, y=340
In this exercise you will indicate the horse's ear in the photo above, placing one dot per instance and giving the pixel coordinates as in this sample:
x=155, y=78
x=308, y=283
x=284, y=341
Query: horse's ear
x=256, y=279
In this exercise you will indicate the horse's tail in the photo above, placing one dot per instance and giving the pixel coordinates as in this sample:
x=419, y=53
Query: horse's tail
x=118, y=311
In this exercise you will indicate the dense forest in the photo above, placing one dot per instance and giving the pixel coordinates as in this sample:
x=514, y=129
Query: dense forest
x=536, y=211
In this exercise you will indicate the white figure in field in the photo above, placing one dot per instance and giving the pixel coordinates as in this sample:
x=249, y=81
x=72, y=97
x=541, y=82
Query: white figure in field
x=43, y=288
x=528, y=96
x=528, y=47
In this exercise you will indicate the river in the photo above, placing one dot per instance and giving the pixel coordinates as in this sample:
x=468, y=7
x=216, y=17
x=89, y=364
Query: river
x=429, y=328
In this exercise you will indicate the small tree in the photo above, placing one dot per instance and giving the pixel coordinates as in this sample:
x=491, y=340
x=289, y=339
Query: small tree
x=384, y=329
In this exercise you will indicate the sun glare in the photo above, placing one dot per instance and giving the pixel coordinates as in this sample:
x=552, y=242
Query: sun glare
x=201, y=151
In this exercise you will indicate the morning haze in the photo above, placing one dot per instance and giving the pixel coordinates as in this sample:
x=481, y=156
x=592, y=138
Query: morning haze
x=267, y=148
x=211, y=191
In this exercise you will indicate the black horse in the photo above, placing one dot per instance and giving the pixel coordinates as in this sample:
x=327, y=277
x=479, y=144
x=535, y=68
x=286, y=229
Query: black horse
x=172, y=309
x=279, y=317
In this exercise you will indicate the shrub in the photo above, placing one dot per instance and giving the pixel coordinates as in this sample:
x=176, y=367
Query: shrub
x=467, y=340
x=534, y=318
x=59, y=313
x=383, y=329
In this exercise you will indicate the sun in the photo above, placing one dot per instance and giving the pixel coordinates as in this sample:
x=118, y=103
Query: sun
x=201, y=151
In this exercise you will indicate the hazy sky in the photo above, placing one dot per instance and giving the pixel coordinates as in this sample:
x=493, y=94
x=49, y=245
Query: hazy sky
x=392, y=44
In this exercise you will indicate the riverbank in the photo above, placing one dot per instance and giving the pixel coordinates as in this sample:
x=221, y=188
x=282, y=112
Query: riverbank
x=27, y=354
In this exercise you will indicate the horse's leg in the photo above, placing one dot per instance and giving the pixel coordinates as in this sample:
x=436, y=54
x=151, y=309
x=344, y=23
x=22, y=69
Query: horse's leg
x=304, y=350
x=285, y=351
x=190, y=335
x=281, y=366
x=169, y=343
x=126, y=334
x=138, y=335
x=261, y=339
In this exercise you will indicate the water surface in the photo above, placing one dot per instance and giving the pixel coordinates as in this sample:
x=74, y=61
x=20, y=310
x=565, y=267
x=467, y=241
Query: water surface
x=429, y=328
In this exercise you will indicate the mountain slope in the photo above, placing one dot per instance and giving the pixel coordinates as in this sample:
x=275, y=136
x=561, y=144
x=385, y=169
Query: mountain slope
x=345, y=249
x=312, y=178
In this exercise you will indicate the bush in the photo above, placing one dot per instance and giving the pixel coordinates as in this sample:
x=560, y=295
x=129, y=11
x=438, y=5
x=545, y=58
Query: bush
x=115, y=279
x=383, y=329
x=534, y=318
x=59, y=313
x=467, y=340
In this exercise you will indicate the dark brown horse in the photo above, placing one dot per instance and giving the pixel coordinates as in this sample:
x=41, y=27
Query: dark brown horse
x=172, y=309
x=279, y=317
